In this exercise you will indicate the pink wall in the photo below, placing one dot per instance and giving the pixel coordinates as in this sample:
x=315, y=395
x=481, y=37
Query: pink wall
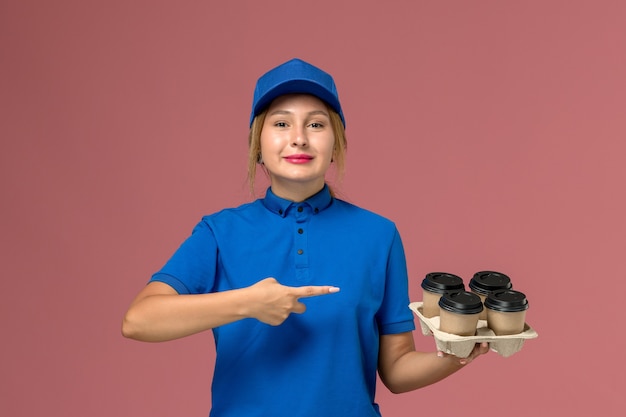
x=492, y=132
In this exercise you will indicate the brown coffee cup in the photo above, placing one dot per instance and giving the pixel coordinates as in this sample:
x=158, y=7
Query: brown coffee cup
x=434, y=285
x=459, y=313
x=506, y=312
x=485, y=282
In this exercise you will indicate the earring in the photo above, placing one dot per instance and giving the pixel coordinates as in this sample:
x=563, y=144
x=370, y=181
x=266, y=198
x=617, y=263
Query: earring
x=259, y=159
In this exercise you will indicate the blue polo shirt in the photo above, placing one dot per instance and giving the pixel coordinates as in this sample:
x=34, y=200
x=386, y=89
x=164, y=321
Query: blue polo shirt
x=319, y=363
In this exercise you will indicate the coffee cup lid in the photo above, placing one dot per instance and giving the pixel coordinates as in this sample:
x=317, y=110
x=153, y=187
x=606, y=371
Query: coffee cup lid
x=441, y=282
x=484, y=282
x=507, y=301
x=461, y=302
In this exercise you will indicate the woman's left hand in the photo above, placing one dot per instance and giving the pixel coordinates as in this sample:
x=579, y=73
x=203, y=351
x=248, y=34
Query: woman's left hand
x=479, y=349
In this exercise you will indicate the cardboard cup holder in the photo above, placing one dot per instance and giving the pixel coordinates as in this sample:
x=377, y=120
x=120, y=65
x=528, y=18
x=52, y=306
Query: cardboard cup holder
x=461, y=346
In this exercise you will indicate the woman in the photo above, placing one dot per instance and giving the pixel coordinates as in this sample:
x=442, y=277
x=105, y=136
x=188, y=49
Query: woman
x=249, y=273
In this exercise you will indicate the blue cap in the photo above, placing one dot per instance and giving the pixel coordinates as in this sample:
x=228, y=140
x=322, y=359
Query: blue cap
x=293, y=77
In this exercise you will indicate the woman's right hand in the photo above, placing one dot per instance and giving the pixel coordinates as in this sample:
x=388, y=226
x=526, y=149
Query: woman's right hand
x=271, y=302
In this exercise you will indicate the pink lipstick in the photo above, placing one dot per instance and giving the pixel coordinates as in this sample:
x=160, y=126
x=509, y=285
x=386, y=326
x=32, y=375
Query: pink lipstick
x=299, y=158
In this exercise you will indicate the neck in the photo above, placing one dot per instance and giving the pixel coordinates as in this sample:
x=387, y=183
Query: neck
x=296, y=192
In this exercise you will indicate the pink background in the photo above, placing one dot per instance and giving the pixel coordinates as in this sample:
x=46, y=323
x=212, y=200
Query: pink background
x=492, y=132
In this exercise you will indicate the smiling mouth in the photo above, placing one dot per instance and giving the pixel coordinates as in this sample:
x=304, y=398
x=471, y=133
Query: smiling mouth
x=299, y=159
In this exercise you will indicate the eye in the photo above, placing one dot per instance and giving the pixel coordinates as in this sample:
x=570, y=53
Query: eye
x=316, y=125
x=280, y=124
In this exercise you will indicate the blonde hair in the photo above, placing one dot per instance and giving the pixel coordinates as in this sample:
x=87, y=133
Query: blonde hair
x=254, y=146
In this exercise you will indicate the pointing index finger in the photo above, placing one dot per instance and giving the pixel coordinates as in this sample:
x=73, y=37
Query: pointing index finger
x=314, y=290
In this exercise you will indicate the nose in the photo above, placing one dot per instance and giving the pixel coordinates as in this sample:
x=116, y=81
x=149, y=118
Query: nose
x=299, y=137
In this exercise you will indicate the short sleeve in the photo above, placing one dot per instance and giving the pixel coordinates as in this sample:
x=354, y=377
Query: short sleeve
x=191, y=269
x=394, y=315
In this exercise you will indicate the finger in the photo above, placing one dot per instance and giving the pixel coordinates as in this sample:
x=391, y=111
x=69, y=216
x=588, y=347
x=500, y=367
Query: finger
x=462, y=361
x=299, y=308
x=479, y=349
x=314, y=290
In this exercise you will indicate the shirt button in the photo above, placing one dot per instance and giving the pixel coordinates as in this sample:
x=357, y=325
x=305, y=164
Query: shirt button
x=300, y=251
x=300, y=231
x=300, y=209
x=317, y=210
x=280, y=211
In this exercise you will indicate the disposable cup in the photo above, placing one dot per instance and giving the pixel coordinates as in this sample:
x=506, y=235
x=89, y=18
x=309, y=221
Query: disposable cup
x=485, y=282
x=459, y=313
x=434, y=285
x=506, y=312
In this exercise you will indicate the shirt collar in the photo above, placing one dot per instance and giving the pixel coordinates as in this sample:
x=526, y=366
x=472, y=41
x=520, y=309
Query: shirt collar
x=318, y=202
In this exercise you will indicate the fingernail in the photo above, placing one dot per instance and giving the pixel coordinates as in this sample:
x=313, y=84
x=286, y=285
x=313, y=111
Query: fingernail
x=440, y=354
x=333, y=289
